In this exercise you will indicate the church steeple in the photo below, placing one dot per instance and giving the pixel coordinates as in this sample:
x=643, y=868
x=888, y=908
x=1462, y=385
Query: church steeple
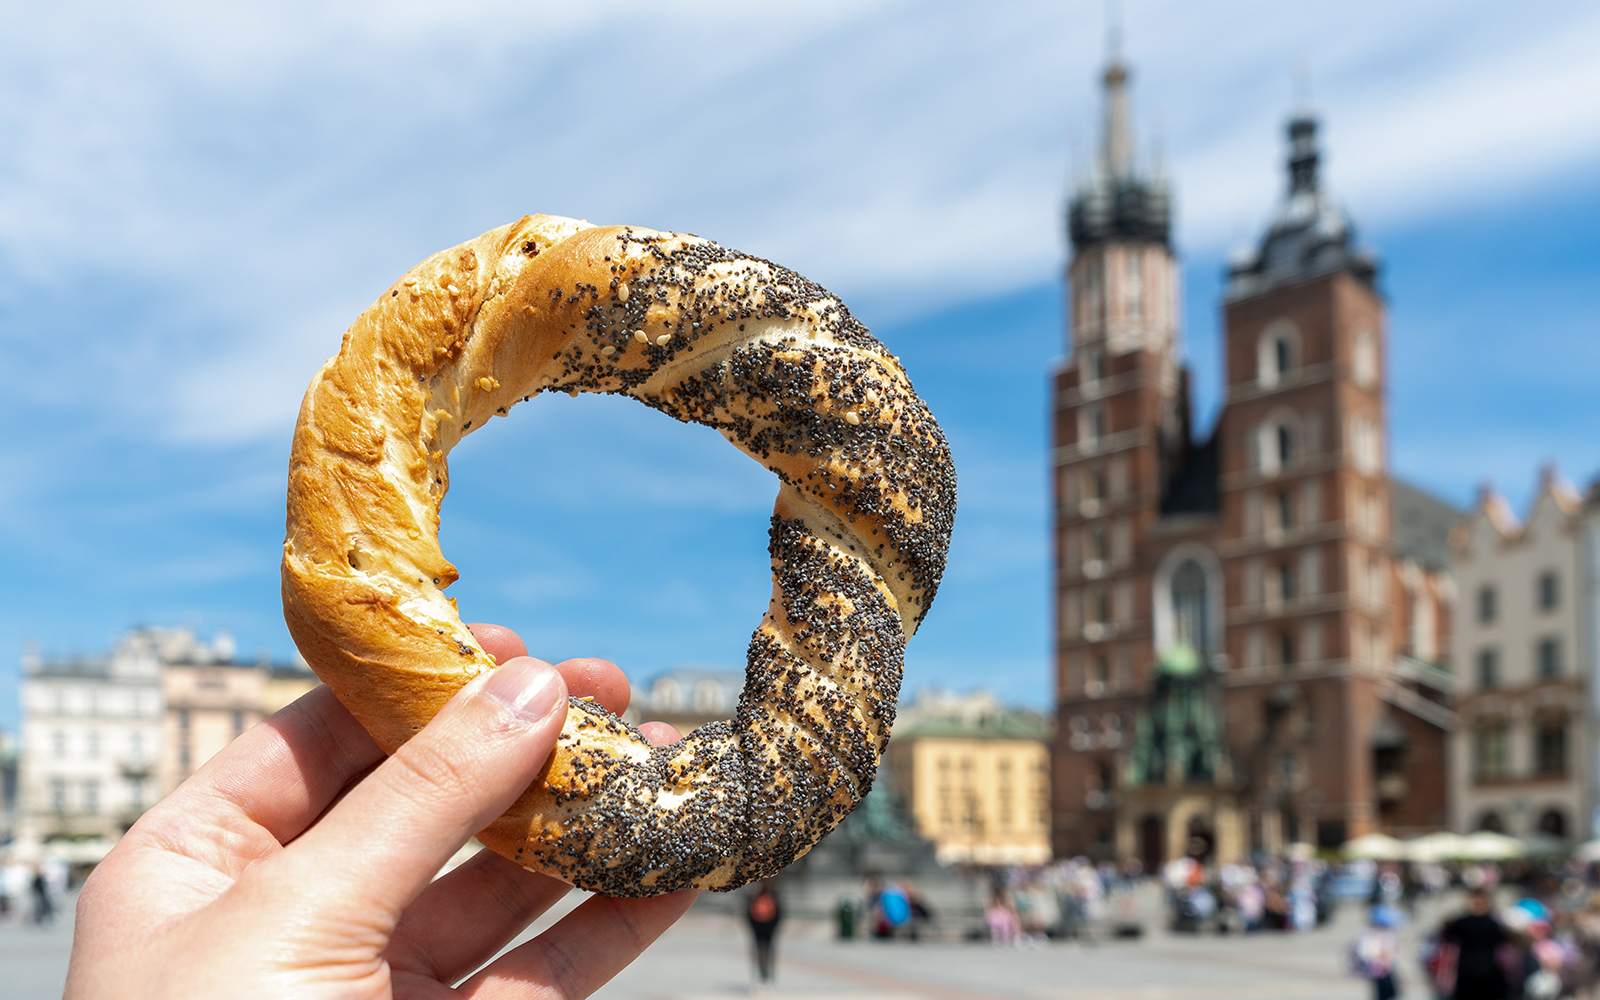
x=1310, y=234
x=1303, y=155
x=1116, y=201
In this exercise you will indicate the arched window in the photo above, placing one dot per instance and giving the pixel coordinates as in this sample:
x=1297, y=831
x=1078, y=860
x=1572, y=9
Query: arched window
x=1364, y=359
x=1191, y=611
x=1492, y=822
x=1277, y=352
x=1186, y=601
x=708, y=697
x=666, y=696
x=1278, y=441
x=1553, y=824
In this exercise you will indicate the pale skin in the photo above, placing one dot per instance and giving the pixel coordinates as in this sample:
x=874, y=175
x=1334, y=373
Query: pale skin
x=298, y=861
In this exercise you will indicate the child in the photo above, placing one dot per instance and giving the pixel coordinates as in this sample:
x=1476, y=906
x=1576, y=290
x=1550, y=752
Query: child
x=1373, y=952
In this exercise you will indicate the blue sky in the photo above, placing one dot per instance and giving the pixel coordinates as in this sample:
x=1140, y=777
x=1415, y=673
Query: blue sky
x=195, y=201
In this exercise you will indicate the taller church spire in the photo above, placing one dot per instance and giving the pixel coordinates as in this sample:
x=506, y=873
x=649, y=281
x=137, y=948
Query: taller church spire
x=1117, y=201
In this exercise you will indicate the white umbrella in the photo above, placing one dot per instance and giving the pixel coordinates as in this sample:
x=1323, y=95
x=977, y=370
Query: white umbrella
x=1435, y=847
x=1375, y=846
x=1488, y=846
x=1589, y=850
x=1542, y=845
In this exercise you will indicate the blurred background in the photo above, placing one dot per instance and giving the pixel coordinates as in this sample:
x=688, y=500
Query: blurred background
x=196, y=199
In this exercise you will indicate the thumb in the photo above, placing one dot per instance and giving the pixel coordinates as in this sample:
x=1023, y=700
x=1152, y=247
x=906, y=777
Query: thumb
x=386, y=840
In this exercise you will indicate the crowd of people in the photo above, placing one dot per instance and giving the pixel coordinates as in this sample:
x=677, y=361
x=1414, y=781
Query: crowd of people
x=1533, y=938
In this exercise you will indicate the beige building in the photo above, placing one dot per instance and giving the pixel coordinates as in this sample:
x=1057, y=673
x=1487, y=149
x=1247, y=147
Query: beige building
x=1517, y=760
x=211, y=698
x=104, y=737
x=975, y=777
x=686, y=698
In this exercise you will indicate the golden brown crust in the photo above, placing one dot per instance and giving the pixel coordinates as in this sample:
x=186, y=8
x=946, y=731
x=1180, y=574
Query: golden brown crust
x=774, y=363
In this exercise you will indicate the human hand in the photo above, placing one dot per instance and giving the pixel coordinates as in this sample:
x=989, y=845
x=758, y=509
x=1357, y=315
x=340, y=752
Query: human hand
x=297, y=862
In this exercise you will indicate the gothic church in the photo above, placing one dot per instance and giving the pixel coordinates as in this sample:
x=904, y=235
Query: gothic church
x=1250, y=628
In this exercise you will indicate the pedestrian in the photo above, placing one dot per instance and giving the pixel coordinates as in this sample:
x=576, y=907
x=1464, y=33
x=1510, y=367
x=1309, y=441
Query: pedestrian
x=44, y=910
x=1373, y=952
x=1001, y=918
x=764, y=913
x=1477, y=936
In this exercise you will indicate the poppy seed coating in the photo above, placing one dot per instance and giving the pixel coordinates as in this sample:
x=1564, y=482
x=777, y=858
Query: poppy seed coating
x=706, y=335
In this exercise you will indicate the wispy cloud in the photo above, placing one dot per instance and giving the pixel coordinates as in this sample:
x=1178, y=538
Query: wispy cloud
x=251, y=175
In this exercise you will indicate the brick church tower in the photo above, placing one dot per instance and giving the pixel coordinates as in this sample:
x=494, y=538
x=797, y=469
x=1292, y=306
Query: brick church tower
x=1231, y=669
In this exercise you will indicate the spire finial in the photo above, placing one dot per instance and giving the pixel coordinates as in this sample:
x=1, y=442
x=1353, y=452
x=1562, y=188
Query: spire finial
x=1300, y=87
x=1116, y=153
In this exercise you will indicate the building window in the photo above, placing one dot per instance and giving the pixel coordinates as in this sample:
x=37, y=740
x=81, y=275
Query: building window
x=1135, y=292
x=1094, y=366
x=1285, y=445
x=1487, y=604
x=1094, y=482
x=1553, y=823
x=91, y=796
x=1549, y=591
x=58, y=743
x=1488, y=668
x=1286, y=581
x=1099, y=606
x=1094, y=548
x=1549, y=657
x=183, y=754
x=1099, y=676
x=1286, y=649
x=1366, y=451
x=1491, y=752
x=183, y=719
x=1285, y=510
x=1093, y=426
x=58, y=795
x=1275, y=353
x=1191, y=608
x=93, y=744
x=1365, y=360
x=238, y=718
x=1550, y=747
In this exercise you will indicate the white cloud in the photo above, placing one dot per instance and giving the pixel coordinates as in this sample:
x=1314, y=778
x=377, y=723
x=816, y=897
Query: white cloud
x=257, y=172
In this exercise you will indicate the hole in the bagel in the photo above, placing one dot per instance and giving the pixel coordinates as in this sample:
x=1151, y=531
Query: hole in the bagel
x=598, y=527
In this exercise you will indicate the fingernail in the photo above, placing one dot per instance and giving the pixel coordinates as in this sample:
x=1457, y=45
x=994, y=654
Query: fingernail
x=529, y=688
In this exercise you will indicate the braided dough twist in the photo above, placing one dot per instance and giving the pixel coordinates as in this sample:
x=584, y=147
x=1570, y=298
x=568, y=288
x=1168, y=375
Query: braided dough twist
x=704, y=334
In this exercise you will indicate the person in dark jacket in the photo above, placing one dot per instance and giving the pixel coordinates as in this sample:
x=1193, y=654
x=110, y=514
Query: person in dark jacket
x=764, y=914
x=1477, y=935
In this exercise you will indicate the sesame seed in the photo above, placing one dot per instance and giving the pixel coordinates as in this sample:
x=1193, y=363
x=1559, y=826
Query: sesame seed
x=662, y=340
x=622, y=292
x=573, y=392
x=453, y=290
x=852, y=418
x=641, y=336
x=488, y=384
x=608, y=350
